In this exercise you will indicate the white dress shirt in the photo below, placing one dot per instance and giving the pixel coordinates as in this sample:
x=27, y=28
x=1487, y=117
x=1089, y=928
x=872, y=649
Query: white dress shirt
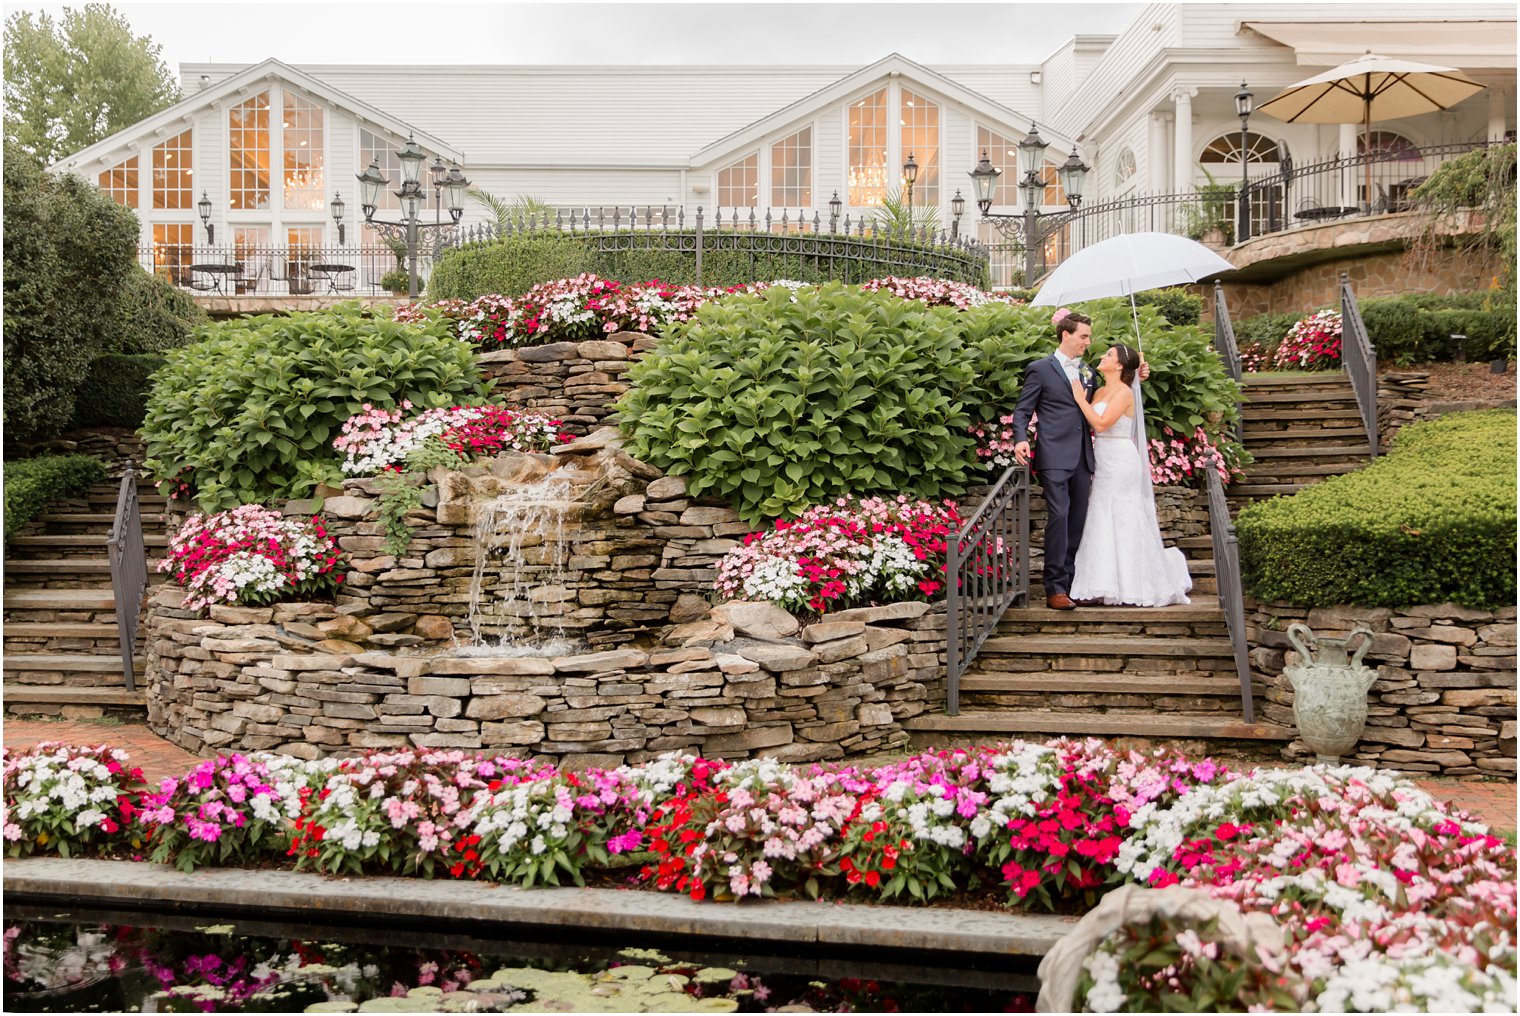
x=1071, y=365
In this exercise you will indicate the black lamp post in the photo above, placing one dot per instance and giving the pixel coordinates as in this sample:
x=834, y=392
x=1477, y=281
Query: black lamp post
x=957, y=209
x=1031, y=228
x=835, y=206
x=204, y=207
x=440, y=175
x=1243, y=106
x=337, y=214
x=910, y=174
x=413, y=197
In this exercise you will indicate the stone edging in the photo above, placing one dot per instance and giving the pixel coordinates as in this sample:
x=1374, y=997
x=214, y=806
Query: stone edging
x=130, y=883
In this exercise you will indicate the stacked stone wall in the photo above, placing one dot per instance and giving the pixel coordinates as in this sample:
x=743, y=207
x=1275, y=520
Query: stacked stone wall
x=1445, y=696
x=576, y=382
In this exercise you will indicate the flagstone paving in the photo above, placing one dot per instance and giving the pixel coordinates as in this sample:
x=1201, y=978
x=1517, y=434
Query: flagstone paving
x=1491, y=800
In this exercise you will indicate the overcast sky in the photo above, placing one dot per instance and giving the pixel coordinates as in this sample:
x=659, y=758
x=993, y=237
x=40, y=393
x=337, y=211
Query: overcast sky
x=613, y=33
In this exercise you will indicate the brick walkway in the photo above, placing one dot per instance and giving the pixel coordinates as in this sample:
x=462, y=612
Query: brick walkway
x=1491, y=800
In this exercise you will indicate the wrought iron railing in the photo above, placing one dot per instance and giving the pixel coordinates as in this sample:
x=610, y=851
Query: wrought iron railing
x=851, y=249
x=986, y=573
x=129, y=570
x=241, y=270
x=1360, y=361
x=1228, y=349
x=1231, y=596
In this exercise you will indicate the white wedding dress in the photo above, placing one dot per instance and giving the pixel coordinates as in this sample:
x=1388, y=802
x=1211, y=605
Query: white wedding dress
x=1121, y=559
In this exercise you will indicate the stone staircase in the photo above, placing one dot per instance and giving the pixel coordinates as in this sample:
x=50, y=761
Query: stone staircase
x=62, y=650
x=1300, y=430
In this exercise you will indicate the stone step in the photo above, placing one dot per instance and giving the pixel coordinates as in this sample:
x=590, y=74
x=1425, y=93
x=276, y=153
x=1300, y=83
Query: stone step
x=980, y=723
x=103, y=519
x=1254, y=380
x=61, y=566
x=59, y=630
x=1329, y=397
x=84, y=540
x=1292, y=472
x=1087, y=646
x=81, y=663
x=59, y=599
x=1274, y=414
x=1241, y=492
x=50, y=694
x=980, y=682
x=1274, y=451
x=1257, y=433
x=1203, y=608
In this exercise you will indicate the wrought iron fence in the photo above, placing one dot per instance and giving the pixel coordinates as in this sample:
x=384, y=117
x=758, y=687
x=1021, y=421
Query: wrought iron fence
x=1231, y=596
x=850, y=249
x=1229, y=350
x=986, y=573
x=1360, y=361
x=129, y=570
x=240, y=270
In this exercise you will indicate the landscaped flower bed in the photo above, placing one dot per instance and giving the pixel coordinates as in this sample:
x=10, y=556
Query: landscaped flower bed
x=382, y=439
x=252, y=556
x=1383, y=895
x=1314, y=343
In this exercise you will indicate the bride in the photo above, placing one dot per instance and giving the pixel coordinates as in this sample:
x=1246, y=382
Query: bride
x=1121, y=559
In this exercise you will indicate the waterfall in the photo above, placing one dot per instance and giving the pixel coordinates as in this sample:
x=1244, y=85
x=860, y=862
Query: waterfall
x=525, y=531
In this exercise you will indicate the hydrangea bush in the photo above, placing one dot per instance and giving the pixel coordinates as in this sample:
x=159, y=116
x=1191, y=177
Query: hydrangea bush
x=381, y=439
x=1314, y=343
x=251, y=556
x=851, y=551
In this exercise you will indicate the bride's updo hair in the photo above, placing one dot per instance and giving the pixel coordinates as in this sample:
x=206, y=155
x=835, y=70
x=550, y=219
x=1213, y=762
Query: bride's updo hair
x=1129, y=362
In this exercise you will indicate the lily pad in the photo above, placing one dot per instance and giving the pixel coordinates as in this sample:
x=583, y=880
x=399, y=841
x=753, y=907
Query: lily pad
x=334, y=1005
x=396, y=1005
x=712, y=975
x=425, y=991
x=631, y=972
x=652, y=955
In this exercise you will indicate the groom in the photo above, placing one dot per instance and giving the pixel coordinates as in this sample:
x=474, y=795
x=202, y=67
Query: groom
x=1064, y=458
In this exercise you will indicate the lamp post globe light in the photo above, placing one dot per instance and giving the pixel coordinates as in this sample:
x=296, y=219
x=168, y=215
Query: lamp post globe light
x=910, y=174
x=412, y=197
x=1244, y=103
x=1030, y=229
x=204, y=207
x=835, y=207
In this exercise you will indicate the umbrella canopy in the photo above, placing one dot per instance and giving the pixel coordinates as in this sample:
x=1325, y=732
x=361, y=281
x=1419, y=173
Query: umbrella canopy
x=1128, y=264
x=1371, y=88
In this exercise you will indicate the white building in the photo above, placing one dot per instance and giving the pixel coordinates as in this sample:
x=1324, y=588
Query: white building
x=1151, y=110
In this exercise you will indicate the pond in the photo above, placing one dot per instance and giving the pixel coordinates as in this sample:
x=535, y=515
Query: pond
x=118, y=961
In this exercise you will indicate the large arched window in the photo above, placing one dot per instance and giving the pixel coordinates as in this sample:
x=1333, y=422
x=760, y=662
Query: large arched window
x=1227, y=148
x=1388, y=146
x=1124, y=168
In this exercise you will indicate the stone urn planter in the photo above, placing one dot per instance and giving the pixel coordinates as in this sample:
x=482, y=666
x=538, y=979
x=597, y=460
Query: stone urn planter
x=1329, y=690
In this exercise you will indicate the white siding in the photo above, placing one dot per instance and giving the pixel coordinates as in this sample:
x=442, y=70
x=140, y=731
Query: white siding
x=1116, y=72
x=1208, y=26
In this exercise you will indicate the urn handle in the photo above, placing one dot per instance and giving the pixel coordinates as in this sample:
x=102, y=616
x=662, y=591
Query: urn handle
x=1366, y=643
x=1302, y=637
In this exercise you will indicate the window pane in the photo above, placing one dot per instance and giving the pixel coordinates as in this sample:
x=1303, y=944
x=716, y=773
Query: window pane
x=1003, y=153
x=379, y=148
x=248, y=154
x=1226, y=148
x=171, y=250
x=792, y=170
x=120, y=183
x=171, y=173
x=303, y=153
x=739, y=184
x=868, y=150
x=919, y=121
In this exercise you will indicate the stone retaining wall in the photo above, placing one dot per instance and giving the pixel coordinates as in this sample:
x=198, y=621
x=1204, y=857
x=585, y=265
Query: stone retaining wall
x=1445, y=696
x=749, y=682
x=1403, y=398
x=575, y=381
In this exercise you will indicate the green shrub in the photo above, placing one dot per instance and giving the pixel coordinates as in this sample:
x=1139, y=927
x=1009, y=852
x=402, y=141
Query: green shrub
x=778, y=401
x=515, y=264
x=250, y=412
x=115, y=391
x=1179, y=304
x=1417, y=327
x=1266, y=329
x=396, y=281
x=778, y=404
x=155, y=316
x=31, y=483
x=1433, y=521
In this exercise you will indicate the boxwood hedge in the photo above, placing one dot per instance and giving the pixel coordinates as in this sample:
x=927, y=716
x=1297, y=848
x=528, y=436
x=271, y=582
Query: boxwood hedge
x=114, y=392
x=31, y=483
x=1431, y=522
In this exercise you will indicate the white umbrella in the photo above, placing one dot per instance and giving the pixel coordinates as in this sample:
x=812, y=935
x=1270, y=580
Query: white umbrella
x=1371, y=88
x=1128, y=264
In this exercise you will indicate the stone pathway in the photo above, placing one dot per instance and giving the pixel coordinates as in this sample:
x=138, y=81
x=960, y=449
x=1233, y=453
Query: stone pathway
x=1494, y=801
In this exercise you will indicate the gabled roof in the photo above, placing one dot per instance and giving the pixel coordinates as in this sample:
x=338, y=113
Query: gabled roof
x=110, y=148
x=892, y=65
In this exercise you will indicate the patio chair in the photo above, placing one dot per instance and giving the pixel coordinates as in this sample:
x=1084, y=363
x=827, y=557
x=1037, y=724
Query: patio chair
x=203, y=283
x=251, y=277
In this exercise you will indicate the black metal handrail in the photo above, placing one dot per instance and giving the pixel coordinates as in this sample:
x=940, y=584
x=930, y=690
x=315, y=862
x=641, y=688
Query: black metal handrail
x=1224, y=334
x=986, y=573
x=1360, y=361
x=1231, y=596
x=834, y=245
x=129, y=570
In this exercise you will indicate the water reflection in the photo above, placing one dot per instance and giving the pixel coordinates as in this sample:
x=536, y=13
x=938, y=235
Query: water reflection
x=113, y=963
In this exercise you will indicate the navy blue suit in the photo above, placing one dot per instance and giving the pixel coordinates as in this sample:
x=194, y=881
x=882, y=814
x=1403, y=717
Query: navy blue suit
x=1064, y=460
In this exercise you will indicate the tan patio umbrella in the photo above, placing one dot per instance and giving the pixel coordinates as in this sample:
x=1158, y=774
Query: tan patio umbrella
x=1371, y=88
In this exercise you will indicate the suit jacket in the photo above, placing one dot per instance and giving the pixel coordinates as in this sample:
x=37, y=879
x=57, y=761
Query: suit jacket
x=1065, y=439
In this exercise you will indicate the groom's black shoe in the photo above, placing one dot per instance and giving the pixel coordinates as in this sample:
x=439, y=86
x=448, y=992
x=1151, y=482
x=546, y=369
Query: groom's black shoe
x=1059, y=601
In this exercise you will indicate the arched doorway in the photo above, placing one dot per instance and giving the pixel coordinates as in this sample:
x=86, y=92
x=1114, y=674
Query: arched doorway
x=1221, y=163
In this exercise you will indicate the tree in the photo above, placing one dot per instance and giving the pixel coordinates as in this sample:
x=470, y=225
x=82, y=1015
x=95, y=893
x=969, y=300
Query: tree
x=70, y=84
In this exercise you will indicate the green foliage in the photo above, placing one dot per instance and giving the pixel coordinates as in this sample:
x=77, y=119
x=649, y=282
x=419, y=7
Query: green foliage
x=898, y=220
x=1417, y=327
x=154, y=316
x=515, y=264
x=250, y=412
x=1482, y=181
x=1178, y=304
x=779, y=402
x=1266, y=329
x=72, y=83
x=69, y=252
x=396, y=281
x=115, y=391
x=401, y=491
x=31, y=483
x=777, y=405
x=507, y=213
x=1433, y=521
x=1210, y=210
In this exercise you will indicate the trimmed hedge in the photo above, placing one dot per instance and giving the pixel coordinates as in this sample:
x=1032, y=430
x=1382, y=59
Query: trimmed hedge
x=515, y=264
x=1433, y=521
x=114, y=392
x=778, y=401
x=250, y=412
x=31, y=483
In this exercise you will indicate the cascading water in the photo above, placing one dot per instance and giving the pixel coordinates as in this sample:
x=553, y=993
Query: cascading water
x=525, y=531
